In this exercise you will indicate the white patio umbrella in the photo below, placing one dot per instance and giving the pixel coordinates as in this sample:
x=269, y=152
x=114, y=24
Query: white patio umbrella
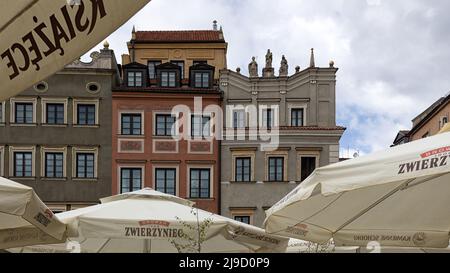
x=398, y=197
x=40, y=37
x=24, y=219
x=150, y=221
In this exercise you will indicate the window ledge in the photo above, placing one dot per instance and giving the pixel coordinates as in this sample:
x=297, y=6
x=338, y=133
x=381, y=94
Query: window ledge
x=85, y=179
x=175, y=137
x=274, y=182
x=202, y=199
x=53, y=178
x=86, y=126
x=243, y=182
x=22, y=178
x=130, y=136
x=55, y=125
x=23, y=124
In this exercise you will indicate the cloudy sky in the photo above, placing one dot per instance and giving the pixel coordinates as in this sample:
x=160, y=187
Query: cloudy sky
x=393, y=56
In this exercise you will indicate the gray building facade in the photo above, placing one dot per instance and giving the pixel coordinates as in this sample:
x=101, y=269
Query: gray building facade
x=56, y=136
x=277, y=130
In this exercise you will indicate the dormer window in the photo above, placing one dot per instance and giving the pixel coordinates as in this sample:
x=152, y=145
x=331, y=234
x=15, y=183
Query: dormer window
x=201, y=75
x=135, y=75
x=134, y=79
x=201, y=79
x=168, y=79
x=168, y=75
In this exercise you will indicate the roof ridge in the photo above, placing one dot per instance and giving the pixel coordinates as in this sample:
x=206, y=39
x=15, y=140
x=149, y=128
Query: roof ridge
x=192, y=30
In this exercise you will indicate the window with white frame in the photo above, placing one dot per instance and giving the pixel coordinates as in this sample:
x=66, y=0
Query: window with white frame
x=243, y=169
x=297, y=117
x=202, y=79
x=168, y=79
x=308, y=161
x=54, y=111
x=130, y=179
x=54, y=165
x=86, y=112
x=134, y=78
x=23, y=164
x=181, y=65
x=2, y=160
x=276, y=169
x=85, y=163
x=267, y=118
x=239, y=119
x=199, y=183
x=165, y=125
x=2, y=112
x=53, y=162
x=152, y=69
x=165, y=180
x=23, y=111
x=131, y=124
x=200, y=126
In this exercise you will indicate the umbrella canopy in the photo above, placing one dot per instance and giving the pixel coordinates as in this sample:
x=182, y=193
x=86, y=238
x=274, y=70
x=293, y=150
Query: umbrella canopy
x=398, y=197
x=24, y=219
x=40, y=37
x=150, y=221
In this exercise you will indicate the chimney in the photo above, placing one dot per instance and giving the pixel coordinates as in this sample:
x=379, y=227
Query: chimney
x=215, y=25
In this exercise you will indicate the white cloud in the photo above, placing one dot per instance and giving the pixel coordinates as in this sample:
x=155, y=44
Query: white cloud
x=393, y=55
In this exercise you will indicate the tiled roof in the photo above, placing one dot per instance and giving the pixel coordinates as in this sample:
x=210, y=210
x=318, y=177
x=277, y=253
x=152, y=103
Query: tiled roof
x=180, y=36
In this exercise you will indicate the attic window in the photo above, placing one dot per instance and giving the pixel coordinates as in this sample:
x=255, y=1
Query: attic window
x=202, y=79
x=168, y=79
x=134, y=79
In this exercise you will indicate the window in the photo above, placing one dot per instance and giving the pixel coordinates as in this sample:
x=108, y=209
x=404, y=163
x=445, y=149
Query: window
x=2, y=154
x=165, y=180
x=276, y=169
x=243, y=169
x=1, y=113
x=239, y=119
x=23, y=164
x=134, y=79
x=297, y=117
x=86, y=114
x=199, y=62
x=23, y=113
x=267, y=118
x=152, y=69
x=131, y=124
x=200, y=126
x=308, y=165
x=54, y=113
x=85, y=165
x=201, y=79
x=165, y=125
x=54, y=165
x=168, y=79
x=243, y=219
x=130, y=179
x=199, y=183
x=443, y=122
x=181, y=65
